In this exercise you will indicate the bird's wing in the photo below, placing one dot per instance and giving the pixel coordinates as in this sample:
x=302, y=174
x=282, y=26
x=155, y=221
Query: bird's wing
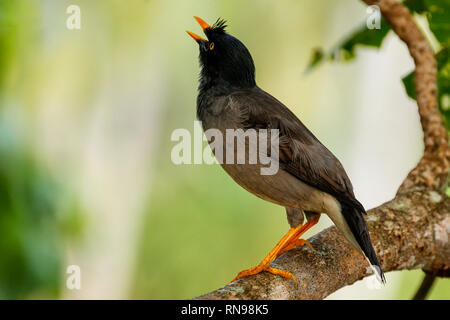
x=300, y=152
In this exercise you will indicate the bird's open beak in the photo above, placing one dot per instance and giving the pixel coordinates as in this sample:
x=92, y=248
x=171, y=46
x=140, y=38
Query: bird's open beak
x=204, y=26
x=196, y=37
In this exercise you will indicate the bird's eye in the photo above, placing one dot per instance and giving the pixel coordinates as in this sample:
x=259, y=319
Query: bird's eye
x=211, y=46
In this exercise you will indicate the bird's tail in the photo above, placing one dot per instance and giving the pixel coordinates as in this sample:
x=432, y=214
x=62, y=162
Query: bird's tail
x=358, y=227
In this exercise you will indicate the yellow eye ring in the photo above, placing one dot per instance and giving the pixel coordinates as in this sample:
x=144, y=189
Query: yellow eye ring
x=211, y=46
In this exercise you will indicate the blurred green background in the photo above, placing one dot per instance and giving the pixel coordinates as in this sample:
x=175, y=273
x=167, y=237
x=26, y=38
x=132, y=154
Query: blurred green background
x=85, y=122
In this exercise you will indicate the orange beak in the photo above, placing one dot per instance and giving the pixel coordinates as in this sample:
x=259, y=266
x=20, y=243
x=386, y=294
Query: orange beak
x=202, y=23
x=196, y=37
x=204, y=26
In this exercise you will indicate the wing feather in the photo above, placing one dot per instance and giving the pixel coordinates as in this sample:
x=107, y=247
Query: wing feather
x=301, y=153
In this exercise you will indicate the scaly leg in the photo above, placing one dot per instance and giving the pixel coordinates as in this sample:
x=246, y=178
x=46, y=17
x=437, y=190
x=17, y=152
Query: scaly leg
x=290, y=237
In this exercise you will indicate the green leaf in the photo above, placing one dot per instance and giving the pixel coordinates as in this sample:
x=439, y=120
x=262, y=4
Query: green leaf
x=443, y=65
x=363, y=36
x=345, y=50
x=408, y=83
x=439, y=19
x=316, y=57
x=415, y=5
x=443, y=82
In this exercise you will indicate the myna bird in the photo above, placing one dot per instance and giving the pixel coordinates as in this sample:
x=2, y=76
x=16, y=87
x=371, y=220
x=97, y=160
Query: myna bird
x=310, y=179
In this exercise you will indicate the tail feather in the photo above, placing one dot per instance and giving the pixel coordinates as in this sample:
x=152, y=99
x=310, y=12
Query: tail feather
x=358, y=227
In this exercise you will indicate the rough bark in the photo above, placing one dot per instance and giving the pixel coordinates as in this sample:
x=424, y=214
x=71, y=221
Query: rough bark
x=409, y=232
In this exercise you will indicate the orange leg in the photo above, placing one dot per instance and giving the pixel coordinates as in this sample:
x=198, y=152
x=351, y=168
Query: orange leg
x=299, y=242
x=288, y=239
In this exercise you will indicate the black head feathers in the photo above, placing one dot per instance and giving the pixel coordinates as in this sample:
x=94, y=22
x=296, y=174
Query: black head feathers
x=224, y=59
x=218, y=28
x=219, y=25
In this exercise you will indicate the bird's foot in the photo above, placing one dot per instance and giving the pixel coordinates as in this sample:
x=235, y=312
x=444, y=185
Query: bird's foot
x=292, y=234
x=289, y=240
x=267, y=268
x=295, y=243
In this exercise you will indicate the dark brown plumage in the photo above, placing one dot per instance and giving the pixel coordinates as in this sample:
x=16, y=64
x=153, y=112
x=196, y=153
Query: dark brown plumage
x=310, y=179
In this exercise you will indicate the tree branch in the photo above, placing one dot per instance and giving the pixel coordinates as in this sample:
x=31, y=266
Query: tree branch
x=409, y=232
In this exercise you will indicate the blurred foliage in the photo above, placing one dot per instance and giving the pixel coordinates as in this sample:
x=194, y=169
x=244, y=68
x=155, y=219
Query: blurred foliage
x=33, y=219
x=437, y=13
x=30, y=230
